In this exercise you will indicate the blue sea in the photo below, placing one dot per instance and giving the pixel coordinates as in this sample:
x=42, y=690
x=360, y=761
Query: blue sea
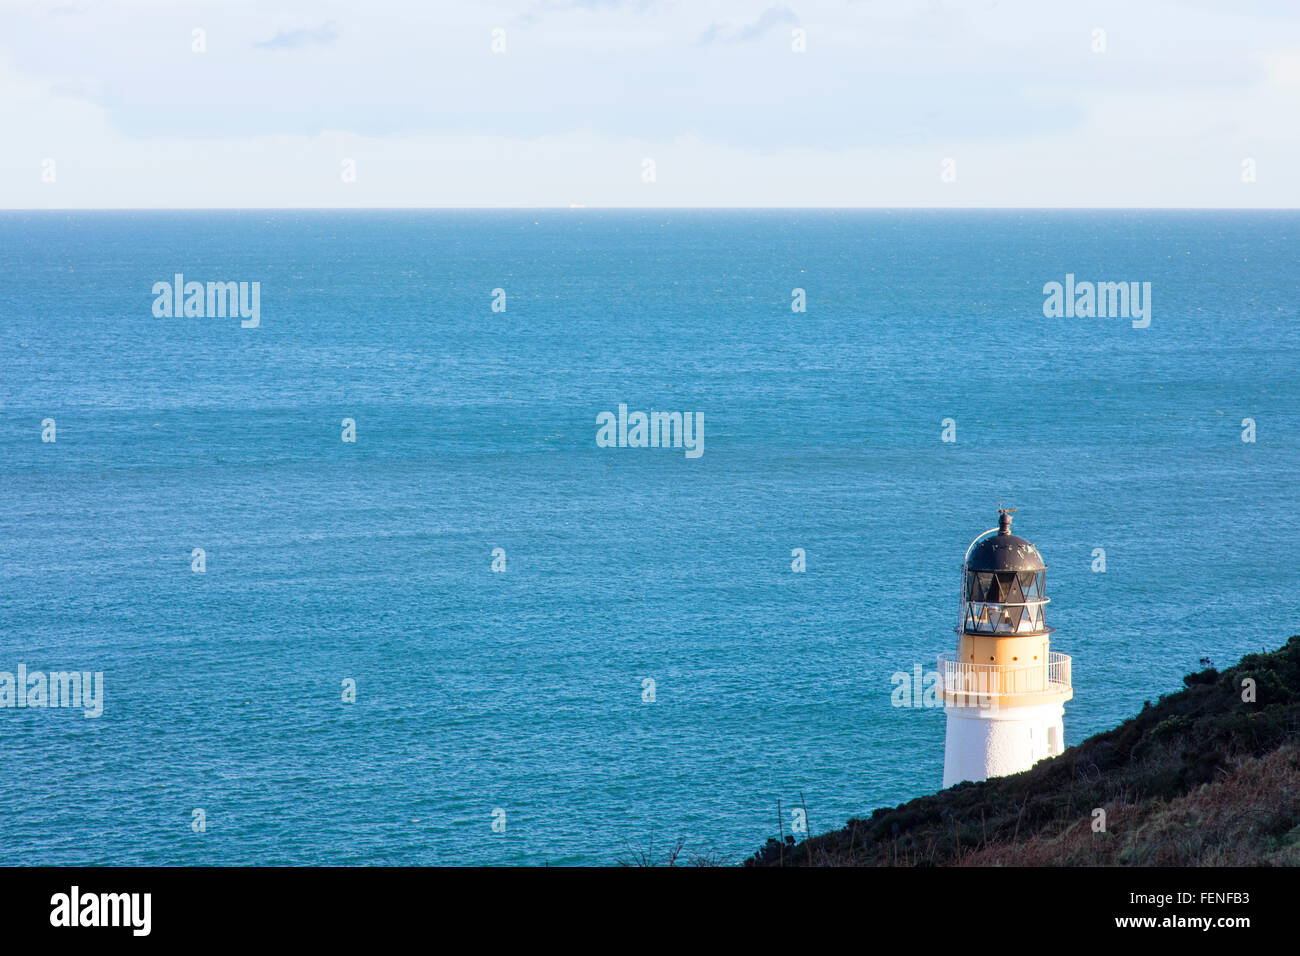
x=519, y=697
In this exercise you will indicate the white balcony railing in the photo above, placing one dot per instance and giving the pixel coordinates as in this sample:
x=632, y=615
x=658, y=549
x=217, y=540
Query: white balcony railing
x=1005, y=680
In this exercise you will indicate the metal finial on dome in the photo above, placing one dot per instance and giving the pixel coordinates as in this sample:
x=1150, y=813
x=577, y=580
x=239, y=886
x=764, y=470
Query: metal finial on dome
x=1004, y=519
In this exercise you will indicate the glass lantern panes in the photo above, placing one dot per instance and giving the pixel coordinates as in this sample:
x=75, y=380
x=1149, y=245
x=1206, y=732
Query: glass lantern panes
x=1005, y=602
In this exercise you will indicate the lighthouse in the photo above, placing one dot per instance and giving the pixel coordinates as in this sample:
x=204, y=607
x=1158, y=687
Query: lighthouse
x=1004, y=690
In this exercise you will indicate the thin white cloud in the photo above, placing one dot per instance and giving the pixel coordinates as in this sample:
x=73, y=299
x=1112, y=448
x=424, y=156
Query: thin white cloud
x=768, y=20
x=297, y=39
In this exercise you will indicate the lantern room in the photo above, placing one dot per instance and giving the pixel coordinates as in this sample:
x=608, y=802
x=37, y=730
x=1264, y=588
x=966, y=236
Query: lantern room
x=1003, y=585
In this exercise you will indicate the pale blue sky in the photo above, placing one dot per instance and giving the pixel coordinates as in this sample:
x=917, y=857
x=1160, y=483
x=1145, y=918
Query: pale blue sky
x=411, y=92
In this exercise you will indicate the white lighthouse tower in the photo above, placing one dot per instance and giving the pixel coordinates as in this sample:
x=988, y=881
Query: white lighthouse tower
x=1004, y=690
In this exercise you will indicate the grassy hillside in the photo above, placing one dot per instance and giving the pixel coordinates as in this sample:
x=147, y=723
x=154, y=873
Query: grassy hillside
x=1201, y=777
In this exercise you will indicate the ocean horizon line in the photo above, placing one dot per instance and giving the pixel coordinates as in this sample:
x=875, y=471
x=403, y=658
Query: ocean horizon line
x=586, y=208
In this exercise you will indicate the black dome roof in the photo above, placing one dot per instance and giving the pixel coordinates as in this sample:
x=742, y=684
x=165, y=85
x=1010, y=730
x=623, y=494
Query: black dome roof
x=1005, y=551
